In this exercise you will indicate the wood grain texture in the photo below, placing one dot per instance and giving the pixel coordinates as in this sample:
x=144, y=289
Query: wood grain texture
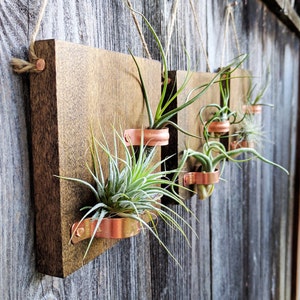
x=102, y=93
x=244, y=231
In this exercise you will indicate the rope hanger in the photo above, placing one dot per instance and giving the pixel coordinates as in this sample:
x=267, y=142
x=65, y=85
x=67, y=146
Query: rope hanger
x=138, y=27
x=229, y=15
x=200, y=35
x=35, y=64
x=170, y=27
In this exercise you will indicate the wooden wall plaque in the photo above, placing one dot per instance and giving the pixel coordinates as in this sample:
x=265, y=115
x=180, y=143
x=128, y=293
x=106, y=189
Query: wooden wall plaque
x=80, y=86
x=189, y=120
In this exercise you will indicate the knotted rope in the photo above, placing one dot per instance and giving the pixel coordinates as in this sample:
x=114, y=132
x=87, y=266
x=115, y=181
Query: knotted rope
x=35, y=64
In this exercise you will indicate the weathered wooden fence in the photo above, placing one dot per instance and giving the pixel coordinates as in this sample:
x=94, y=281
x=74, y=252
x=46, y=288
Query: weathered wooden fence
x=245, y=228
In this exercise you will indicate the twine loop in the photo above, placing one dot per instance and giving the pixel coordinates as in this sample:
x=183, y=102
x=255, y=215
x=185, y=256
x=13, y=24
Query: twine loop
x=230, y=15
x=200, y=35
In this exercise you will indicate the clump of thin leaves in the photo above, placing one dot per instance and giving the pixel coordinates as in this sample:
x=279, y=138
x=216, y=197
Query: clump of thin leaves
x=130, y=187
x=255, y=94
x=214, y=154
x=250, y=130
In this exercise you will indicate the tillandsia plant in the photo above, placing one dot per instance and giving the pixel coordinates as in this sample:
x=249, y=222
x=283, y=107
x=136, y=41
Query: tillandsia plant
x=132, y=188
x=213, y=156
x=255, y=94
x=221, y=114
x=164, y=113
x=249, y=133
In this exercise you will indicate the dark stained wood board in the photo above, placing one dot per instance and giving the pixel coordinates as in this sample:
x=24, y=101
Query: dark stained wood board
x=80, y=87
x=188, y=119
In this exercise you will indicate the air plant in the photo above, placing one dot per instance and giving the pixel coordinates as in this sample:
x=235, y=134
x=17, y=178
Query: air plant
x=213, y=156
x=255, y=94
x=221, y=112
x=132, y=188
x=249, y=131
x=164, y=113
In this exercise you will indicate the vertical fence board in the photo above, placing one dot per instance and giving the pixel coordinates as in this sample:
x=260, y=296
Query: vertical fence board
x=244, y=229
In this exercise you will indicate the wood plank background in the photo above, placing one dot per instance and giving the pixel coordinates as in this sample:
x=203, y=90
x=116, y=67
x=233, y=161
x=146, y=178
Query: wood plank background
x=245, y=228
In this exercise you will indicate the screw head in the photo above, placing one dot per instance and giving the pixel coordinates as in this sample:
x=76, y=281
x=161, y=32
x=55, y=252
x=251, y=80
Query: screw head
x=40, y=64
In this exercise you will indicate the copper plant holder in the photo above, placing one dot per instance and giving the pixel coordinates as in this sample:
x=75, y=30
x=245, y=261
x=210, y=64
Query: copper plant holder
x=252, y=109
x=201, y=178
x=219, y=126
x=110, y=228
x=152, y=137
x=241, y=144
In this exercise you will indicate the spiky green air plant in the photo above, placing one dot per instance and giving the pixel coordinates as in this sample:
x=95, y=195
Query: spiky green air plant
x=164, y=113
x=215, y=154
x=249, y=130
x=222, y=112
x=132, y=187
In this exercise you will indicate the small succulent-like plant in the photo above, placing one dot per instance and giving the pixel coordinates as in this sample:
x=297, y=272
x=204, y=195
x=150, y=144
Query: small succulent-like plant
x=213, y=155
x=249, y=131
x=129, y=187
